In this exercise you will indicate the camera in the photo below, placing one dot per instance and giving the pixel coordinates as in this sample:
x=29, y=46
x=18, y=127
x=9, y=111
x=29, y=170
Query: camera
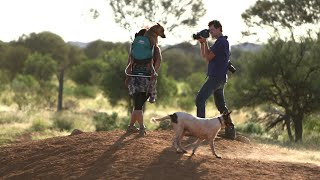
x=204, y=33
x=231, y=67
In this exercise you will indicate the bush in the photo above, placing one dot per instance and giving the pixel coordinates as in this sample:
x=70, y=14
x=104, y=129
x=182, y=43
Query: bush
x=10, y=117
x=251, y=128
x=63, y=122
x=186, y=103
x=39, y=125
x=85, y=91
x=106, y=122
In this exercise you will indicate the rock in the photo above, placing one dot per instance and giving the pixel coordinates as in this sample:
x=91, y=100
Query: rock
x=76, y=132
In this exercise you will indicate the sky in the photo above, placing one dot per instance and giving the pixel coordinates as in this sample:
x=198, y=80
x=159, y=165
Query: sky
x=71, y=20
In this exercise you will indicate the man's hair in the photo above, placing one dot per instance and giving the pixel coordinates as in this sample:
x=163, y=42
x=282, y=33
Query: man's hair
x=215, y=24
x=140, y=33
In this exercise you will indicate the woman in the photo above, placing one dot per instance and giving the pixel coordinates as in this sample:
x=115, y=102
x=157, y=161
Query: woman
x=139, y=90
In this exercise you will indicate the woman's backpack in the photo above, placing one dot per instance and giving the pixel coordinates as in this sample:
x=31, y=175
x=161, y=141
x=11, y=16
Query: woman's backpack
x=142, y=56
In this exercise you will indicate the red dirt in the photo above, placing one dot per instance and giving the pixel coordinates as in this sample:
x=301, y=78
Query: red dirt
x=114, y=155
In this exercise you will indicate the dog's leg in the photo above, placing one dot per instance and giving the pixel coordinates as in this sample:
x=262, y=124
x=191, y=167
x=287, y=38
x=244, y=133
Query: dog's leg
x=178, y=137
x=211, y=143
x=174, y=143
x=174, y=139
x=179, y=142
x=197, y=143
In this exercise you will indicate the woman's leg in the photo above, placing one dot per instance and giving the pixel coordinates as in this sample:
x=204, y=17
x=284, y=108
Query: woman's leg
x=137, y=113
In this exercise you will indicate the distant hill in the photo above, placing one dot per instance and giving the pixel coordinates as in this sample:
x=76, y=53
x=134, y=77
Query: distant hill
x=247, y=47
x=187, y=47
x=79, y=44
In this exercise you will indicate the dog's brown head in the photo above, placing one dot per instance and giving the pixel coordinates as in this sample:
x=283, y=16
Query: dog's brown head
x=159, y=30
x=227, y=119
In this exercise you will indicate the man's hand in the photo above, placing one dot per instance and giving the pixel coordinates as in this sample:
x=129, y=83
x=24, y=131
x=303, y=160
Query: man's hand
x=202, y=40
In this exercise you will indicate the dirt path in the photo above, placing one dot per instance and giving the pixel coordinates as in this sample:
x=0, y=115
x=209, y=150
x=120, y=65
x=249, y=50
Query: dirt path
x=114, y=155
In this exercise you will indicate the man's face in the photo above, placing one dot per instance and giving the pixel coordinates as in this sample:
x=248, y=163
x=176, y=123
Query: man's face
x=214, y=31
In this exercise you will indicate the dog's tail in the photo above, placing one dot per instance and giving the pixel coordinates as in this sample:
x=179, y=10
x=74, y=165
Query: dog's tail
x=173, y=117
x=155, y=120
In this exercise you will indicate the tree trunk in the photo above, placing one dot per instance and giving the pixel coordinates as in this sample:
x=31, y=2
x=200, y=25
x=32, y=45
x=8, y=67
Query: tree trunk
x=288, y=125
x=298, y=127
x=60, y=90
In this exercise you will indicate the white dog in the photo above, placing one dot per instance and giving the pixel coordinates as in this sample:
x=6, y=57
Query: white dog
x=202, y=128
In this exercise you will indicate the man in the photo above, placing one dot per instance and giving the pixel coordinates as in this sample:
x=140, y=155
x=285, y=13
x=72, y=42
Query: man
x=217, y=57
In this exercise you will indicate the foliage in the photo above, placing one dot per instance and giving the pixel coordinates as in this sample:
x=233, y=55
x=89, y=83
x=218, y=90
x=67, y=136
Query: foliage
x=190, y=89
x=175, y=15
x=24, y=88
x=96, y=49
x=250, y=128
x=283, y=17
x=14, y=59
x=63, y=122
x=283, y=74
x=9, y=117
x=106, y=122
x=83, y=91
x=42, y=67
x=39, y=125
x=176, y=59
x=4, y=79
x=166, y=86
x=89, y=72
x=287, y=13
x=113, y=76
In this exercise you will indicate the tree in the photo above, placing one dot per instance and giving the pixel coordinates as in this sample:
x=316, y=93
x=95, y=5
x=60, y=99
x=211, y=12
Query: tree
x=175, y=58
x=24, y=88
x=282, y=14
x=89, y=72
x=284, y=76
x=14, y=59
x=175, y=15
x=97, y=48
x=42, y=68
x=289, y=15
x=48, y=43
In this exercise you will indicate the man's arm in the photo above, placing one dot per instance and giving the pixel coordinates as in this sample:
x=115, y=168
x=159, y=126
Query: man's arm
x=206, y=53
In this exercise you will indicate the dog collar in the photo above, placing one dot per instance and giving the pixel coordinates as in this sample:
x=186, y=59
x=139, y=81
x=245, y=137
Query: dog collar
x=220, y=120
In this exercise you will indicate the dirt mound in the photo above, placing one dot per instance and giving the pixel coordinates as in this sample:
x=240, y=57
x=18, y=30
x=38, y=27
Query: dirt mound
x=115, y=155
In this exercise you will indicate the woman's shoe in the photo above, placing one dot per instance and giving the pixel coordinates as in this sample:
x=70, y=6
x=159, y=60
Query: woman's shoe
x=132, y=129
x=142, y=131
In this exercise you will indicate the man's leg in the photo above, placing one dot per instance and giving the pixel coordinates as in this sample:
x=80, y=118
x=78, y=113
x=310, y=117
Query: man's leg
x=203, y=95
x=221, y=106
x=219, y=100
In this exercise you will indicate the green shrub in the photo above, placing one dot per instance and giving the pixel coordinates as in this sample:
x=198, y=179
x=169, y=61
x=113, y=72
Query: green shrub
x=85, y=91
x=63, y=122
x=250, y=128
x=186, y=103
x=39, y=125
x=10, y=117
x=105, y=122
